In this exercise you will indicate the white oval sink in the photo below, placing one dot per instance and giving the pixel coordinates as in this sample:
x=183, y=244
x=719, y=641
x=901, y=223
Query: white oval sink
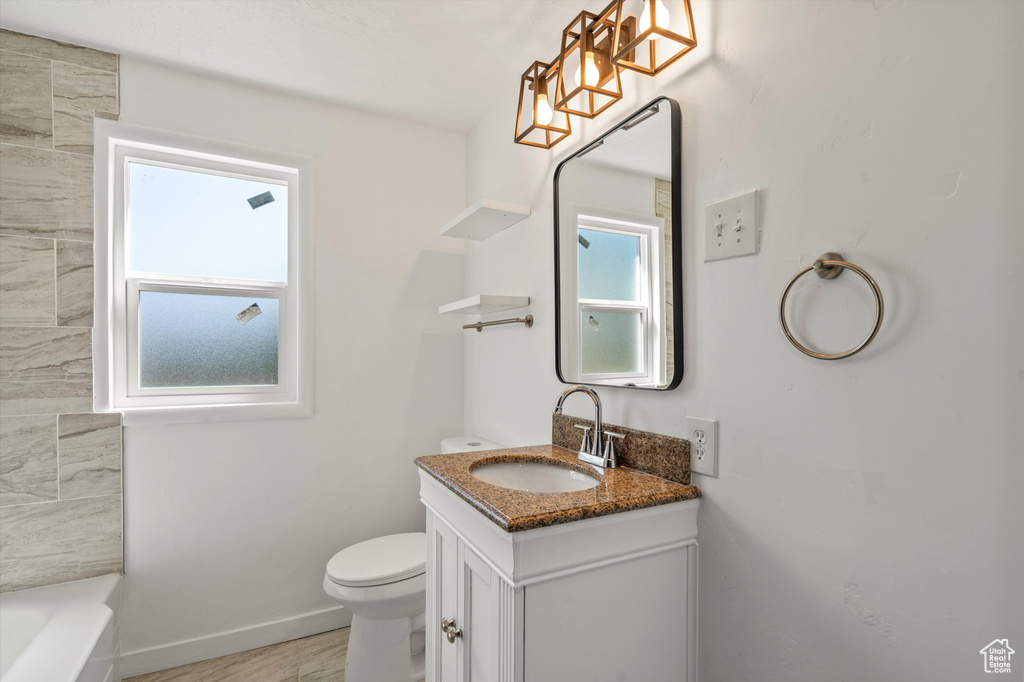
x=534, y=477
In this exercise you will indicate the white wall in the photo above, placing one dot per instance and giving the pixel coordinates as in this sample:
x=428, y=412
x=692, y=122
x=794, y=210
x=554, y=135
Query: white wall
x=868, y=521
x=230, y=525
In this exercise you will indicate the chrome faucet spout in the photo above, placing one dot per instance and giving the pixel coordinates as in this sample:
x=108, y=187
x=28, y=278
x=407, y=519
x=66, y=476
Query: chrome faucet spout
x=594, y=456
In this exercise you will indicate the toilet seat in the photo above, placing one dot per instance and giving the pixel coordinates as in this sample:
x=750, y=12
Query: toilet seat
x=380, y=561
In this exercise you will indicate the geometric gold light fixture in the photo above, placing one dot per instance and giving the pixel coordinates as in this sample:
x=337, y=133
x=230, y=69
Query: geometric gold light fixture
x=538, y=123
x=588, y=79
x=650, y=36
x=583, y=80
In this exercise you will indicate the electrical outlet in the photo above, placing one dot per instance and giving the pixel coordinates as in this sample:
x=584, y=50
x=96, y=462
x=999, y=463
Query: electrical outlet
x=731, y=228
x=703, y=436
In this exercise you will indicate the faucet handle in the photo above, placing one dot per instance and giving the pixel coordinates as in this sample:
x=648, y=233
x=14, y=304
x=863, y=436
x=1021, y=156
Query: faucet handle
x=609, y=446
x=585, y=447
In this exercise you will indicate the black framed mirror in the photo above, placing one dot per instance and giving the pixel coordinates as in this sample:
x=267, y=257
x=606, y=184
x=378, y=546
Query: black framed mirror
x=618, y=255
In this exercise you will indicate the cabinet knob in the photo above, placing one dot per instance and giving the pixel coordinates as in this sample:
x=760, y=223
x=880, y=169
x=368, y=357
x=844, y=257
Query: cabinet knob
x=449, y=629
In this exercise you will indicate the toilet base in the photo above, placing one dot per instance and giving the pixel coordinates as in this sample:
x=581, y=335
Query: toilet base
x=381, y=651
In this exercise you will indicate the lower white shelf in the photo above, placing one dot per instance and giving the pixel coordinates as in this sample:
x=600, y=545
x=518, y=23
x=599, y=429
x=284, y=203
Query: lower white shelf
x=483, y=304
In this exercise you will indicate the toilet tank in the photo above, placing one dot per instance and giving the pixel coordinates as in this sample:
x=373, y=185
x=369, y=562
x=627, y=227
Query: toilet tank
x=467, y=444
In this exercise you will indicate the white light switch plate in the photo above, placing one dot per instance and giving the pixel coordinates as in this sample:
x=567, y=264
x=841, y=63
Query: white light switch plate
x=731, y=228
x=703, y=436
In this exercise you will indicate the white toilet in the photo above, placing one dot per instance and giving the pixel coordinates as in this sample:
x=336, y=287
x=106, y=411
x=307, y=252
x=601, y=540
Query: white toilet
x=383, y=583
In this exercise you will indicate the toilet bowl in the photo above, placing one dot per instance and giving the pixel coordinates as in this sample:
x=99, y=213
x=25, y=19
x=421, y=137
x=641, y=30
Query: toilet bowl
x=383, y=583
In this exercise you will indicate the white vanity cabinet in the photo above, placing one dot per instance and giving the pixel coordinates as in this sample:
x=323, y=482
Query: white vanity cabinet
x=605, y=598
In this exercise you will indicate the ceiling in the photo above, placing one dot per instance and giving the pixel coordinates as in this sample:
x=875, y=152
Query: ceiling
x=440, y=62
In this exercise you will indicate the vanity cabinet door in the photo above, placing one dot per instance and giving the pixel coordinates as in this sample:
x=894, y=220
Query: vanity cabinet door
x=442, y=602
x=478, y=611
x=461, y=586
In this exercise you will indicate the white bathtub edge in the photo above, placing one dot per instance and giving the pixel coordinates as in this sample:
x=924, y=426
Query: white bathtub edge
x=172, y=655
x=79, y=614
x=104, y=589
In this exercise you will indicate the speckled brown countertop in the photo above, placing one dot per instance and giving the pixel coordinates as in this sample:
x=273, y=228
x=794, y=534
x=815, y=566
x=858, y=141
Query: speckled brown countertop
x=620, y=489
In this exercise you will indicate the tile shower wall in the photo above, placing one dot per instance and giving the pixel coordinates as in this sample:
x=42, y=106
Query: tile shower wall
x=60, y=465
x=663, y=209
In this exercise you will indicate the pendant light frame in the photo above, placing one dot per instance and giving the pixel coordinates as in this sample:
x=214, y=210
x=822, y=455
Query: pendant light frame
x=594, y=33
x=634, y=45
x=540, y=80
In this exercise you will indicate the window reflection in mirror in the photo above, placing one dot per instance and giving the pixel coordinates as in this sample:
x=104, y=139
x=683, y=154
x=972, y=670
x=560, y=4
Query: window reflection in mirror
x=616, y=289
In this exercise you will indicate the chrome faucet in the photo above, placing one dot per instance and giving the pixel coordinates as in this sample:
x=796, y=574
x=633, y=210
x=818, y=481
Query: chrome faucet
x=590, y=450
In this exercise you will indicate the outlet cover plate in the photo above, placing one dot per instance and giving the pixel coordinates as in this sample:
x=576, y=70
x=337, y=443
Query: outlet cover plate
x=731, y=227
x=703, y=436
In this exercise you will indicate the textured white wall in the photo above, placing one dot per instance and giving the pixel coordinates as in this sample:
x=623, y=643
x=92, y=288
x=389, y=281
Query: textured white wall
x=868, y=520
x=230, y=525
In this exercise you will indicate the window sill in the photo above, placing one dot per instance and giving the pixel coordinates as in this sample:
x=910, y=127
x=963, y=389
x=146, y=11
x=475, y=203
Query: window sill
x=213, y=413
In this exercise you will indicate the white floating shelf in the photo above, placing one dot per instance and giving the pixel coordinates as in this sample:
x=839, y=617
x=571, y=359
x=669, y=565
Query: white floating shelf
x=485, y=219
x=483, y=304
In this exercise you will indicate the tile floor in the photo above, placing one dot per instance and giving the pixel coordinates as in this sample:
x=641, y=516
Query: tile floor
x=320, y=658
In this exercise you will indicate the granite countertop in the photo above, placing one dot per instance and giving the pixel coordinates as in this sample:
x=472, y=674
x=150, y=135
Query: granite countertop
x=620, y=489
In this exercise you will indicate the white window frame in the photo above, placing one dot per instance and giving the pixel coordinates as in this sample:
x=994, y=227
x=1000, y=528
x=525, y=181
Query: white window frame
x=116, y=340
x=652, y=299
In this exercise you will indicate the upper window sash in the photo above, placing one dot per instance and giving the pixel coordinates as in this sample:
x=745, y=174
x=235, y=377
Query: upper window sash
x=125, y=155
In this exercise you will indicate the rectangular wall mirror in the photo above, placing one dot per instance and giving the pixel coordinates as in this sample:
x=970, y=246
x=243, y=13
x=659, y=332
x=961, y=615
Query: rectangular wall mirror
x=618, y=253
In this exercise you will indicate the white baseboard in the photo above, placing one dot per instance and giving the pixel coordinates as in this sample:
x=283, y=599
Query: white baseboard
x=232, y=641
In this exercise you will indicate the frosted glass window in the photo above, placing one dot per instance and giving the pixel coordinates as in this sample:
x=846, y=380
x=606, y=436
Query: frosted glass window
x=206, y=225
x=609, y=265
x=208, y=291
x=202, y=340
x=612, y=342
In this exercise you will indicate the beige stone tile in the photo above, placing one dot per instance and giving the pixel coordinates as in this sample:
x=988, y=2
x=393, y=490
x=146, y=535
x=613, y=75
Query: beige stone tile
x=74, y=284
x=45, y=370
x=90, y=455
x=51, y=49
x=54, y=542
x=45, y=193
x=322, y=657
x=78, y=93
x=25, y=105
x=277, y=663
x=26, y=282
x=663, y=209
x=28, y=459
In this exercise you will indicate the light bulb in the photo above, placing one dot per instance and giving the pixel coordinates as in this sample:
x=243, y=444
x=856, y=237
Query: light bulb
x=543, y=114
x=588, y=72
x=662, y=19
